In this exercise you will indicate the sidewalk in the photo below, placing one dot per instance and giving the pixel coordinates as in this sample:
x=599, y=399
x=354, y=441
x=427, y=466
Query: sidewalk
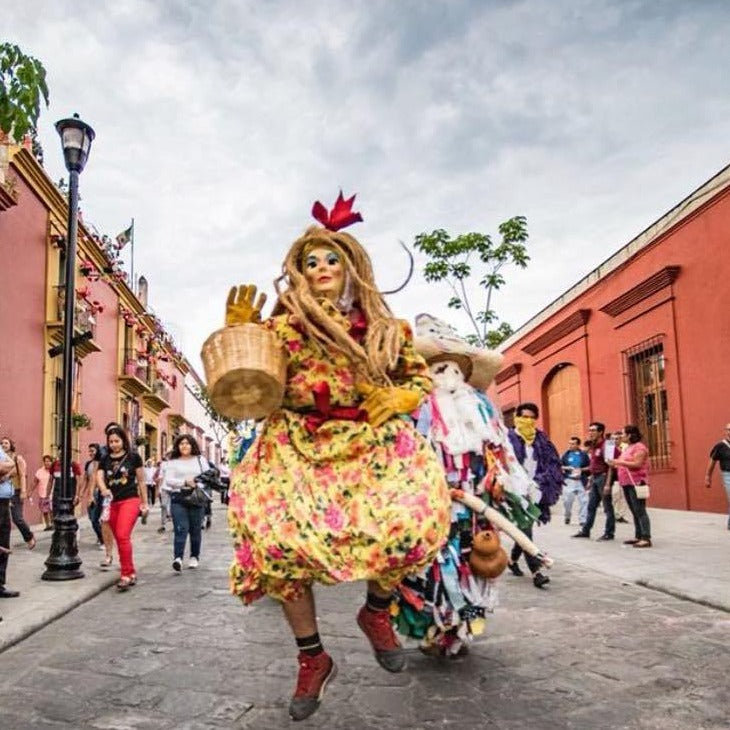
x=690, y=559
x=41, y=602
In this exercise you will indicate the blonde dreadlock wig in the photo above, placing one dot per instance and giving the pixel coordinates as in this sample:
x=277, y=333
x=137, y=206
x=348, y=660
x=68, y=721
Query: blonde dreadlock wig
x=323, y=322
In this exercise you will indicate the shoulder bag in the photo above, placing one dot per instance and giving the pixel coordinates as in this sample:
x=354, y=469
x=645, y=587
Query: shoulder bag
x=642, y=490
x=196, y=496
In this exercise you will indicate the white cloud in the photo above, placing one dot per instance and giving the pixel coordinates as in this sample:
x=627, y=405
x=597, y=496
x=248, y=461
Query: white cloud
x=219, y=123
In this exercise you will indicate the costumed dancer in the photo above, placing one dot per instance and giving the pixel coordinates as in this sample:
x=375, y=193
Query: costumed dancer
x=338, y=486
x=444, y=605
x=541, y=461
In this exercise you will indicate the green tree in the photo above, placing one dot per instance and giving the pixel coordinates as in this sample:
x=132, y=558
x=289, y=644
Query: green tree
x=219, y=424
x=22, y=89
x=455, y=260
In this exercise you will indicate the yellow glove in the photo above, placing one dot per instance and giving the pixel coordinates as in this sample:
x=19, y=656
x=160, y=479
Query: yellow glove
x=383, y=403
x=240, y=307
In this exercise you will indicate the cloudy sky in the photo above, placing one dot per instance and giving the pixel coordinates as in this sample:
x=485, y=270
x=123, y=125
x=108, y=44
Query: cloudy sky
x=220, y=122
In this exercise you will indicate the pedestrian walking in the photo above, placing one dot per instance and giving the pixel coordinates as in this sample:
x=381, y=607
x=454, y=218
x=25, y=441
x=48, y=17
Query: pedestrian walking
x=41, y=491
x=185, y=464
x=600, y=488
x=7, y=489
x=121, y=475
x=633, y=474
x=541, y=461
x=149, y=480
x=576, y=465
x=90, y=490
x=720, y=454
x=163, y=494
x=20, y=491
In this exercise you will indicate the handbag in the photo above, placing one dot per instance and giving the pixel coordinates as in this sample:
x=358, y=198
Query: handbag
x=196, y=496
x=642, y=490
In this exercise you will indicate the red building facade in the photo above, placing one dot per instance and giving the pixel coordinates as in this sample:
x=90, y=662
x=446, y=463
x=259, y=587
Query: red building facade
x=644, y=339
x=128, y=370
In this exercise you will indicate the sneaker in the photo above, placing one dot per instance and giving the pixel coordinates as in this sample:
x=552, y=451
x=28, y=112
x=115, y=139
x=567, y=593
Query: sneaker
x=642, y=544
x=161, y=528
x=631, y=542
x=567, y=520
x=604, y=538
x=581, y=534
x=177, y=565
x=622, y=520
x=315, y=673
x=515, y=569
x=539, y=580
x=193, y=563
x=377, y=627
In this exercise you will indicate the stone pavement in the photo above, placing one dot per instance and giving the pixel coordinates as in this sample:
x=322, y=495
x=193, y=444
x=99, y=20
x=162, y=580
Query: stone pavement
x=690, y=557
x=594, y=650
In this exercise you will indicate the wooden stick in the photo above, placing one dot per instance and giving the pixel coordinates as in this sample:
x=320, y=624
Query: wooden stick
x=500, y=521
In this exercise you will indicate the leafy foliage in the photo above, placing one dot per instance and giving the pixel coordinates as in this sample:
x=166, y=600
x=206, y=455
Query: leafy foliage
x=22, y=88
x=456, y=260
x=219, y=423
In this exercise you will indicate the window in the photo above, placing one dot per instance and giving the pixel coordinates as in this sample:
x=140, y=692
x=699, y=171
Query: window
x=648, y=398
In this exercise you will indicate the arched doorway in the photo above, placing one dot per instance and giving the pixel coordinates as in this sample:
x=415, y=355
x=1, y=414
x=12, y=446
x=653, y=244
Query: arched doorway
x=564, y=405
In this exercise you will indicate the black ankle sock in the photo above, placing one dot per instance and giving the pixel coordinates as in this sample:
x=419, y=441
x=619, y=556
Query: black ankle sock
x=310, y=645
x=377, y=603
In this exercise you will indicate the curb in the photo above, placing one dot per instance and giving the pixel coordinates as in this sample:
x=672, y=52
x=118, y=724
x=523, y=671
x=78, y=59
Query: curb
x=683, y=596
x=23, y=630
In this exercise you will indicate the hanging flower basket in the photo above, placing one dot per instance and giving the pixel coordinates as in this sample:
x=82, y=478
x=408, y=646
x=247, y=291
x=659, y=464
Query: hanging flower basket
x=79, y=421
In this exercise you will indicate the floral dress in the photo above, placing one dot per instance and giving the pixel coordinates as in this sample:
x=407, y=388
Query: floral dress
x=324, y=496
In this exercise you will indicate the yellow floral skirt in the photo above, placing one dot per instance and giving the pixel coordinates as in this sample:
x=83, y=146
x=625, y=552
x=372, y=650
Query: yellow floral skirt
x=346, y=502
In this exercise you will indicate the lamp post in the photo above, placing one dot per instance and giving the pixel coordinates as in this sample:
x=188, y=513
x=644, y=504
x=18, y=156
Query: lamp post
x=63, y=561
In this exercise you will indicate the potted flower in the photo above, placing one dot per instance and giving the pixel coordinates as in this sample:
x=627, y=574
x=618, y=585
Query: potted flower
x=79, y=421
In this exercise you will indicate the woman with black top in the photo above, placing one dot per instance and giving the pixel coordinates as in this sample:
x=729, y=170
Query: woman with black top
x=121, y=475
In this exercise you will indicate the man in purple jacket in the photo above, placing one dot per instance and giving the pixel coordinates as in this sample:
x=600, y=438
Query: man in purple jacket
x=541, y=461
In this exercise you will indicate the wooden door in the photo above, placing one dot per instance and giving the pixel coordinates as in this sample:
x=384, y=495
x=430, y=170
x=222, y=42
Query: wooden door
x=564, y=407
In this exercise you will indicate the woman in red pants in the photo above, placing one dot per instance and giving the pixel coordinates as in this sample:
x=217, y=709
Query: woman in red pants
x=121, y=475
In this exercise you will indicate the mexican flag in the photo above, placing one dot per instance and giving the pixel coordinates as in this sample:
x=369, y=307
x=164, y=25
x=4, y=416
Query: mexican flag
x=125, y=237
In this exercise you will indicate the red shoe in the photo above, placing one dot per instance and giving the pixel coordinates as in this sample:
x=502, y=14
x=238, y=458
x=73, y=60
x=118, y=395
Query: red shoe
x=377, y=627
x=315, y=673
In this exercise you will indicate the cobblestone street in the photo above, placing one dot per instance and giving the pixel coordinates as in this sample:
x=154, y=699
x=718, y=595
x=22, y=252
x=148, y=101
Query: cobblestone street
x=179, y=652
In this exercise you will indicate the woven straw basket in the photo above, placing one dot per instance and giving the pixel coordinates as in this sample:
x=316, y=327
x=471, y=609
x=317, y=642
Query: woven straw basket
x=245, y=367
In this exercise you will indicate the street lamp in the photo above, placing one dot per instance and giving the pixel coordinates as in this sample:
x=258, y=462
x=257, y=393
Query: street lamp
x=63, y=562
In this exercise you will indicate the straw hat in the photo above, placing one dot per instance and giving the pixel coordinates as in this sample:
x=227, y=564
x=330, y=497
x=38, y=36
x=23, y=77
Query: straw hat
x=437, y=341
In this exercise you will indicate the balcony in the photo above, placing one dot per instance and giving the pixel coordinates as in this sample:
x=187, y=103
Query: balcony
x=84, y=321
x=134, y=379
x=158, y=399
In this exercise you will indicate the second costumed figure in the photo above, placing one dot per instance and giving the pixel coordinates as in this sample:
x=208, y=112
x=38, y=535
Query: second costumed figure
x=444, y=605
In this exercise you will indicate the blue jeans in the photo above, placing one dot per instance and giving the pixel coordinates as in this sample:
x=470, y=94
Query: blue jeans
x=726, y=481
x=187, y=521
x=95, y=509
x=598, y=482
x=573, y=489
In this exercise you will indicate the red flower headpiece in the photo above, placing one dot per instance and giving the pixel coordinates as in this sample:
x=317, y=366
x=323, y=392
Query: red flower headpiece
x=339, y=217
